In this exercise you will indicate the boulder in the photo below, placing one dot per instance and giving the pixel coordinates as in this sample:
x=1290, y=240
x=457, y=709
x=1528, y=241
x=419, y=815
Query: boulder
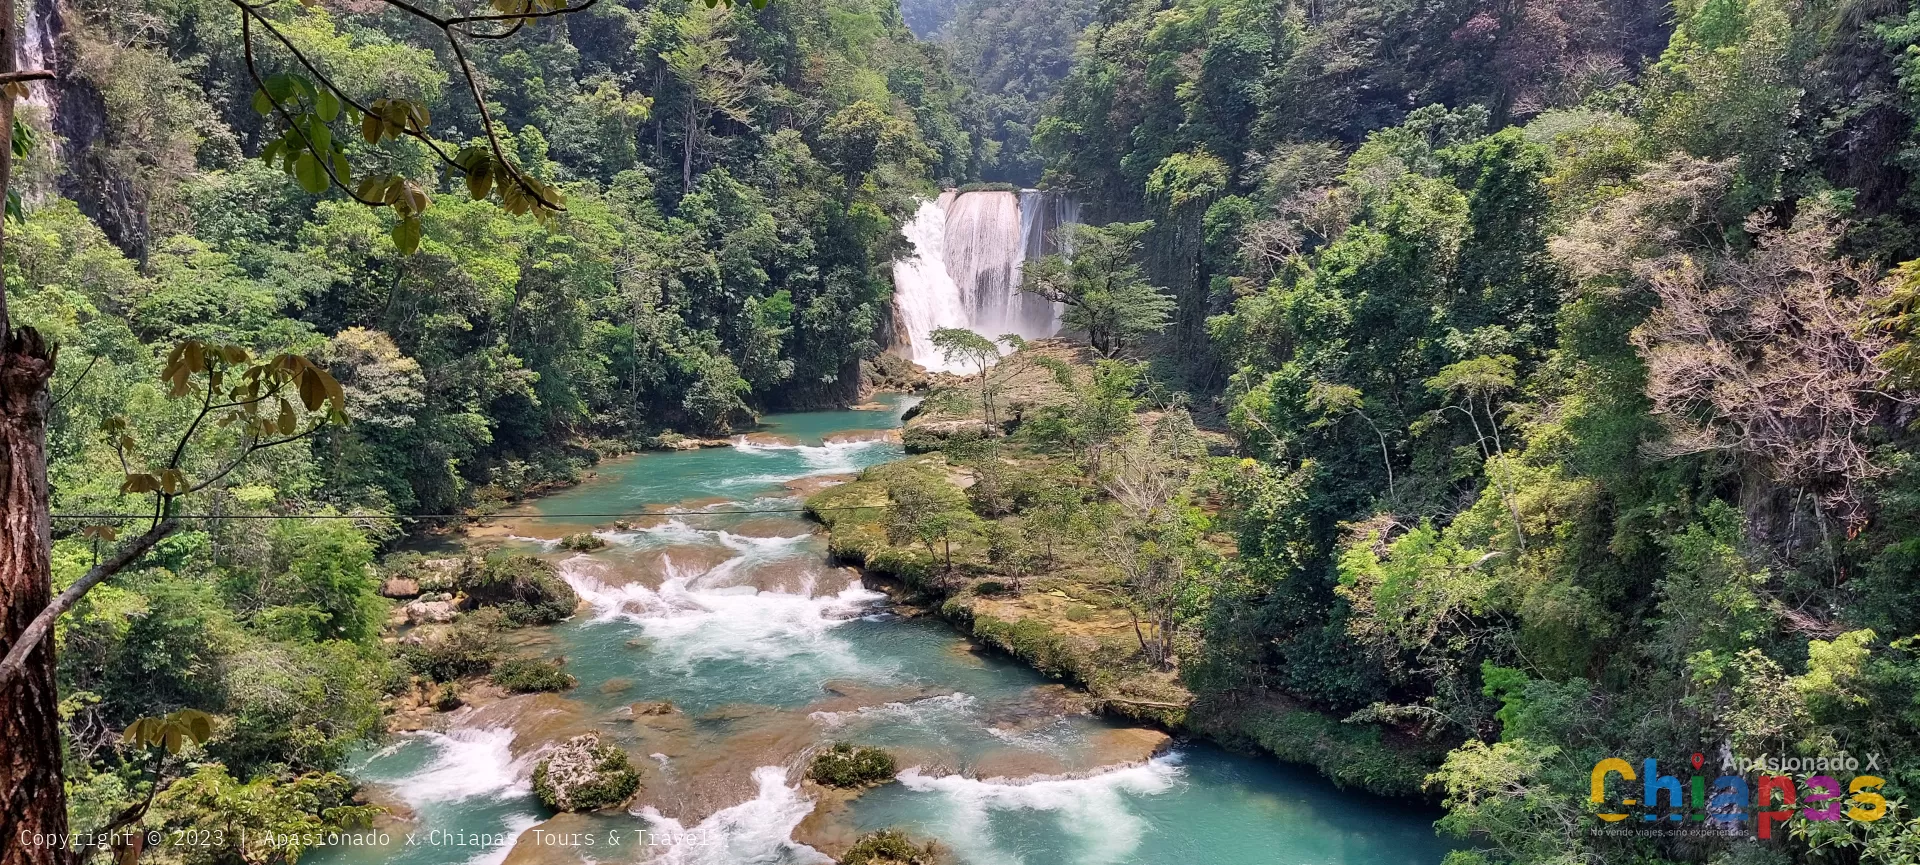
x=434, y=612
x=400, y=587
x=585, y=775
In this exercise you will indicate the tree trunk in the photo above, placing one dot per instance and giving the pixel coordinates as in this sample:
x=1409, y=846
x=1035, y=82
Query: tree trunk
x=30, y=780
x=686, y=153
x=34, y=795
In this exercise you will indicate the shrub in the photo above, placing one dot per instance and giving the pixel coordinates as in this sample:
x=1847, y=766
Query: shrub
x=886, y=847
x=448, y=698
x=1350, y=755
x=467, y=647
x=584, y=775
x=527, y=676
x=1079, y=613
x=849, y=766
x=991, y=587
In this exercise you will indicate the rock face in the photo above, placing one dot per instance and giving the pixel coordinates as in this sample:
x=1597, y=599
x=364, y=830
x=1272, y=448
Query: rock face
x=585, y=775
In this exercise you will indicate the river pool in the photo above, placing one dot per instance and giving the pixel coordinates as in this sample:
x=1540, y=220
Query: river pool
x=766, y=652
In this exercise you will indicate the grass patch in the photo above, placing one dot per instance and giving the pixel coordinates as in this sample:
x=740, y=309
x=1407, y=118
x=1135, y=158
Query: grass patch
x=527, y=676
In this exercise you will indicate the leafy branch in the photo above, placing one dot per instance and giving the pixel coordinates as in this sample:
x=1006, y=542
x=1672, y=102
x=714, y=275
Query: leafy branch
x=307, y=105
x=254, y=397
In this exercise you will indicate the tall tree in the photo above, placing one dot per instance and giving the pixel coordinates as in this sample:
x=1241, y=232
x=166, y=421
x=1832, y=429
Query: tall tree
x=1102, y=285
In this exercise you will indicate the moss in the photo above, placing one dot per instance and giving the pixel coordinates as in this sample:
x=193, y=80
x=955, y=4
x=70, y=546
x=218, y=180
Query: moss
x=991, y=588
x=851, y=766
x=1351, y=755
x=1033, y=641
x=526, y=676
x=911, y=566
x=887, y=847
x=585, y=775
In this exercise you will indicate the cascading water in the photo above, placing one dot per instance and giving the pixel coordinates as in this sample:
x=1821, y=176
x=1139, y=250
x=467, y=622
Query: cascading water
x=723, y=651
x=965, y=271
x=37, y=52
x=925, y=297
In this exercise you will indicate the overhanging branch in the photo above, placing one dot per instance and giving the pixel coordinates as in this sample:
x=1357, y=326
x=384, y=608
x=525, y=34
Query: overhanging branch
x=41, y=628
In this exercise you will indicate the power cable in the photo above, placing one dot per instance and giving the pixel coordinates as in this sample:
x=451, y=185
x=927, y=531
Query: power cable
x=604, y=516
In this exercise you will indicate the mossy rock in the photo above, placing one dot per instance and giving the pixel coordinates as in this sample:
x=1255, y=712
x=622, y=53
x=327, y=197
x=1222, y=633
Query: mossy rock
x=528, y=676
x=585, y=775
x=887, y=847
x=850, y=766
x=526, y=589
x=584, y=542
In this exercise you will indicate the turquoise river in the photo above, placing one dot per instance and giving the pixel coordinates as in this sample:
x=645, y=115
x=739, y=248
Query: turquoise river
x=766, y=652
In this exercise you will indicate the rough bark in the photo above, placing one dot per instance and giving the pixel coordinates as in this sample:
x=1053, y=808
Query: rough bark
x=33, y=801
x=30, y=772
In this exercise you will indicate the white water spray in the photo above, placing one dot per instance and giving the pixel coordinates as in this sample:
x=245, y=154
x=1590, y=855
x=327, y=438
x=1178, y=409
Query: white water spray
x=1092, y=808
x=466, y=763
x=706, y=616
x=758, y=831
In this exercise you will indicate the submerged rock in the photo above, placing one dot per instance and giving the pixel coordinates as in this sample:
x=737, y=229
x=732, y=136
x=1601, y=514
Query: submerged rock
x=585, y=775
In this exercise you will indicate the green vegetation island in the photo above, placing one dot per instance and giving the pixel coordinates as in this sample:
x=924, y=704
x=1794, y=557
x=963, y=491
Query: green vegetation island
x=960, y=432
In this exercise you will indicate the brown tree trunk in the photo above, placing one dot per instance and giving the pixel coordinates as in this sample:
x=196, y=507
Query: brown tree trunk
x=686, y=152
x=33, y=798
x=30, y=779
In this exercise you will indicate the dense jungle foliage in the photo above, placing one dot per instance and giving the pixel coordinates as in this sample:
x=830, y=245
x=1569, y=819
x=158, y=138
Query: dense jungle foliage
x=1564, y=346
x=734, y=180
x=1570, y=344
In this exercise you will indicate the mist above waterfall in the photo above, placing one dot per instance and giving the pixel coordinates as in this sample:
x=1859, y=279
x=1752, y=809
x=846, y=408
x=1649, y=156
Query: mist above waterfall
x=965, y=271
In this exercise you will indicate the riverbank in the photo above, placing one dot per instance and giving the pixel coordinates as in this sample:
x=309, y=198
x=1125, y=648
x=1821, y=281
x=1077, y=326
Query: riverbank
x=1067, y=626
x=1065, y=610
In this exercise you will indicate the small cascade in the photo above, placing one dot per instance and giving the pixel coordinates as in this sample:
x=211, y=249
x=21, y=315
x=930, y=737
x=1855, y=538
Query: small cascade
x=37, y=52
x=969, y=249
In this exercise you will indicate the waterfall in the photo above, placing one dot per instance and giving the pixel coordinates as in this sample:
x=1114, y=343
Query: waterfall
x=37, y=51
x=968, y=249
